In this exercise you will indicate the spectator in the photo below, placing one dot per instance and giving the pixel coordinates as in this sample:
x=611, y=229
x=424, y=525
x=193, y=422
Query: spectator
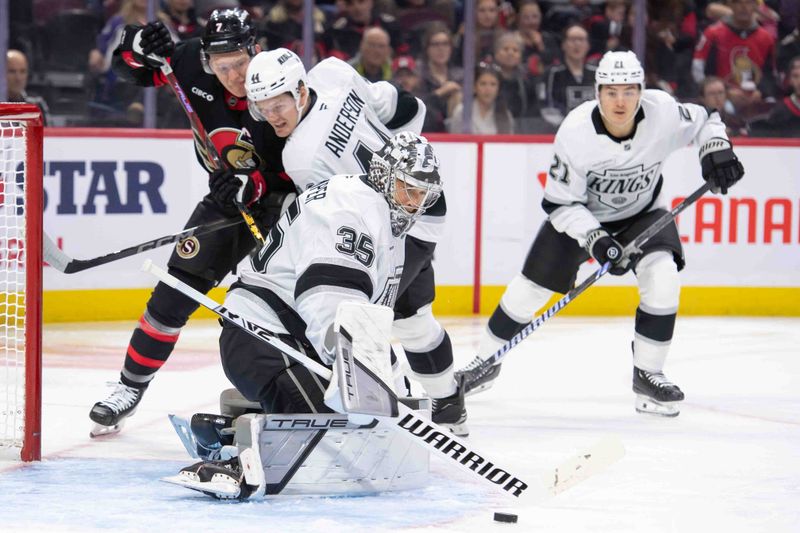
x=789, y=48
x=414, y=16
x=671, y=36
x=183, y=21
x=742, y=53
x=517, y=88
x=572, y=83
x=441, y=82
x=373, y=60
x=490, y=115
x=283, y=28
x=347, y=31
x=784, y=120
x=114, y=97
x=487, y=29
x=405, y=75
x=714, y=95
x=17, y=82
x=605, y=30
x=564, y=14
x=766, y=17
x=540, y=48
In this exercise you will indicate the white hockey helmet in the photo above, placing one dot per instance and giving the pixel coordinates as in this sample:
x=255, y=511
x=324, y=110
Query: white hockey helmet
x=618, y=68
x=271, y=74
x=409, y=158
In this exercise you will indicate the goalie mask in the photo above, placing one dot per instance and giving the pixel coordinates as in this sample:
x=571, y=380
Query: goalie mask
x=406, y=171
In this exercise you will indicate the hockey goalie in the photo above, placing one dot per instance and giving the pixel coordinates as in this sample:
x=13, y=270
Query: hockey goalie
x=324, y=283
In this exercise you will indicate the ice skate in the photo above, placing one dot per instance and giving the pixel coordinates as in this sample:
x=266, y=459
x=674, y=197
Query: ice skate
x=224, y=480
x=450, y=412
x=655, y=394
x=477, y=379
x=109, y=415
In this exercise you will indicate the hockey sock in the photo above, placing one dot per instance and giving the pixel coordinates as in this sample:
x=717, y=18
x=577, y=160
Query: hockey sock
x=659, y=290
x=434, y=368
x=158, y=330
x=521, y=299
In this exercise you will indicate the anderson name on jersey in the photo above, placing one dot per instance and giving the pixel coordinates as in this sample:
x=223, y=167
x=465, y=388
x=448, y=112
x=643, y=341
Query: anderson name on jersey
x=349, y=120
x=334, y=243
x=597, y=178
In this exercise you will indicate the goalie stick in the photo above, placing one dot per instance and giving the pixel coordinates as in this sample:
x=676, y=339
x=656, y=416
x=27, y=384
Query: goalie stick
x=631, y=248
x=422, y=431
x=62, y=262
x=202, y=138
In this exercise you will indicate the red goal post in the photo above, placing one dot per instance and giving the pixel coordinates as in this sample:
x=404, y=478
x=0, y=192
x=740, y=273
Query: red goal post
x=21, y=207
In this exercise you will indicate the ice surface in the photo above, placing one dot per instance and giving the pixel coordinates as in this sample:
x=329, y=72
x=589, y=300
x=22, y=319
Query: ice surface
x=730, y=462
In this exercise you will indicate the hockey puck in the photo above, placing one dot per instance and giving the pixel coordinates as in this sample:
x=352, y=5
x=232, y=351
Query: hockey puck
x=505, y=517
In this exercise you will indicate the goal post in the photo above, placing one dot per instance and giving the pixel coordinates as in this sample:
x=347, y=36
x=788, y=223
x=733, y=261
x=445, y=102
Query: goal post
x=21, y=207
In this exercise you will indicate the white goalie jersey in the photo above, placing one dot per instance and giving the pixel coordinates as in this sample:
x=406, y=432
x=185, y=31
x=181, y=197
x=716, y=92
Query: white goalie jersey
x=349, y=121
x=595, y=178
x=333, y=244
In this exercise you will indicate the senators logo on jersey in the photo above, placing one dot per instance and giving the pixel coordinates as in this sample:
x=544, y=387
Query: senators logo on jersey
x=235, y=148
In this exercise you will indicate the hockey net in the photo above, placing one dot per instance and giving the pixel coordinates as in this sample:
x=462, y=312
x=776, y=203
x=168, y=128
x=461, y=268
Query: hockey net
x=20, y=280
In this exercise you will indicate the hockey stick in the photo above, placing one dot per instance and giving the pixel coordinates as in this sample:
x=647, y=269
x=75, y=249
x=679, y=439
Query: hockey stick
x=202, y=137
x=420, y=430
x=630, y=249
x=69, y=265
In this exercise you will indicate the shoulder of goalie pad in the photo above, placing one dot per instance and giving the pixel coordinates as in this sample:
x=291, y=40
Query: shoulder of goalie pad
x=363, y=366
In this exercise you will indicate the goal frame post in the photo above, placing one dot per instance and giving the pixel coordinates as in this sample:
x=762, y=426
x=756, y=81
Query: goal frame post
x=31, y=115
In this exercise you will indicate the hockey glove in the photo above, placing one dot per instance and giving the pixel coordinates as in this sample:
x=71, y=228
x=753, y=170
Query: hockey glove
x=225, y=186
x=604, y=249
x=271, y=206
x=157, y=40
x=720, y=165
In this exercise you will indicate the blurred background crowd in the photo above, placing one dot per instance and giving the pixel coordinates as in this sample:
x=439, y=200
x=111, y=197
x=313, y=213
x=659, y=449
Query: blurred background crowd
x=533, y=61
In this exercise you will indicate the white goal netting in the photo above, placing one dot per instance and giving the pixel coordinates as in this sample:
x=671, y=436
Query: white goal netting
x=13, y=317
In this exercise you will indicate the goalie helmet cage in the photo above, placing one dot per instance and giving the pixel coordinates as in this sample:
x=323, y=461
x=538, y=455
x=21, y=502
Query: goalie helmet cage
x=21, y=148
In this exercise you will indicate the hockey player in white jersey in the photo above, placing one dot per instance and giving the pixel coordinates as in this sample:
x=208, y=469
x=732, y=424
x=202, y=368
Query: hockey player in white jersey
x=340, y=241
x=334, y=121
x=602, y=190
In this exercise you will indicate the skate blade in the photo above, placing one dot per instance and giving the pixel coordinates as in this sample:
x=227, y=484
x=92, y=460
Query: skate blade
x=480, y=388
x=649, y=406
x=459, y=430
x=99, y=430
x=223, y=491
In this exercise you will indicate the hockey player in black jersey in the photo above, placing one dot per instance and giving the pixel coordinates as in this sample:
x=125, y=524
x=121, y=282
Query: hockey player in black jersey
x=211, y=71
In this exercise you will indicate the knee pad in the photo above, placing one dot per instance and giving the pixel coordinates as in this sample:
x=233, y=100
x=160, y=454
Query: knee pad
x=419, y=333
x=659, y=283
x=523, y=298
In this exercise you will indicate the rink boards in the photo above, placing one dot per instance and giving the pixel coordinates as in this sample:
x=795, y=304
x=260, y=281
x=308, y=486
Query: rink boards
x=109, y=189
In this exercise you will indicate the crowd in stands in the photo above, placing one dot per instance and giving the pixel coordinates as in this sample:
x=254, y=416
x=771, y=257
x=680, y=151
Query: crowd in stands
x=535, y=60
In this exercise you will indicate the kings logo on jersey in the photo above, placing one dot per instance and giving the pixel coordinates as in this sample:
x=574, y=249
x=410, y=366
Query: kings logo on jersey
x=619, y=188
x=235, y=147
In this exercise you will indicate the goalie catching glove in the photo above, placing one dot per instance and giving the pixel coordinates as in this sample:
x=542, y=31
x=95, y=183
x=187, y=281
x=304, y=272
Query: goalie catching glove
x=719, y=165
x=606, y=249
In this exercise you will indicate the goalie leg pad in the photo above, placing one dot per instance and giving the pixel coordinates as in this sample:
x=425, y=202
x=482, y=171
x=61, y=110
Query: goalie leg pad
x=326, y=454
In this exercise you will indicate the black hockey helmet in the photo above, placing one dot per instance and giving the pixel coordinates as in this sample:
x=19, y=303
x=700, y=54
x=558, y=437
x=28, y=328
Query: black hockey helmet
x=227, y=30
